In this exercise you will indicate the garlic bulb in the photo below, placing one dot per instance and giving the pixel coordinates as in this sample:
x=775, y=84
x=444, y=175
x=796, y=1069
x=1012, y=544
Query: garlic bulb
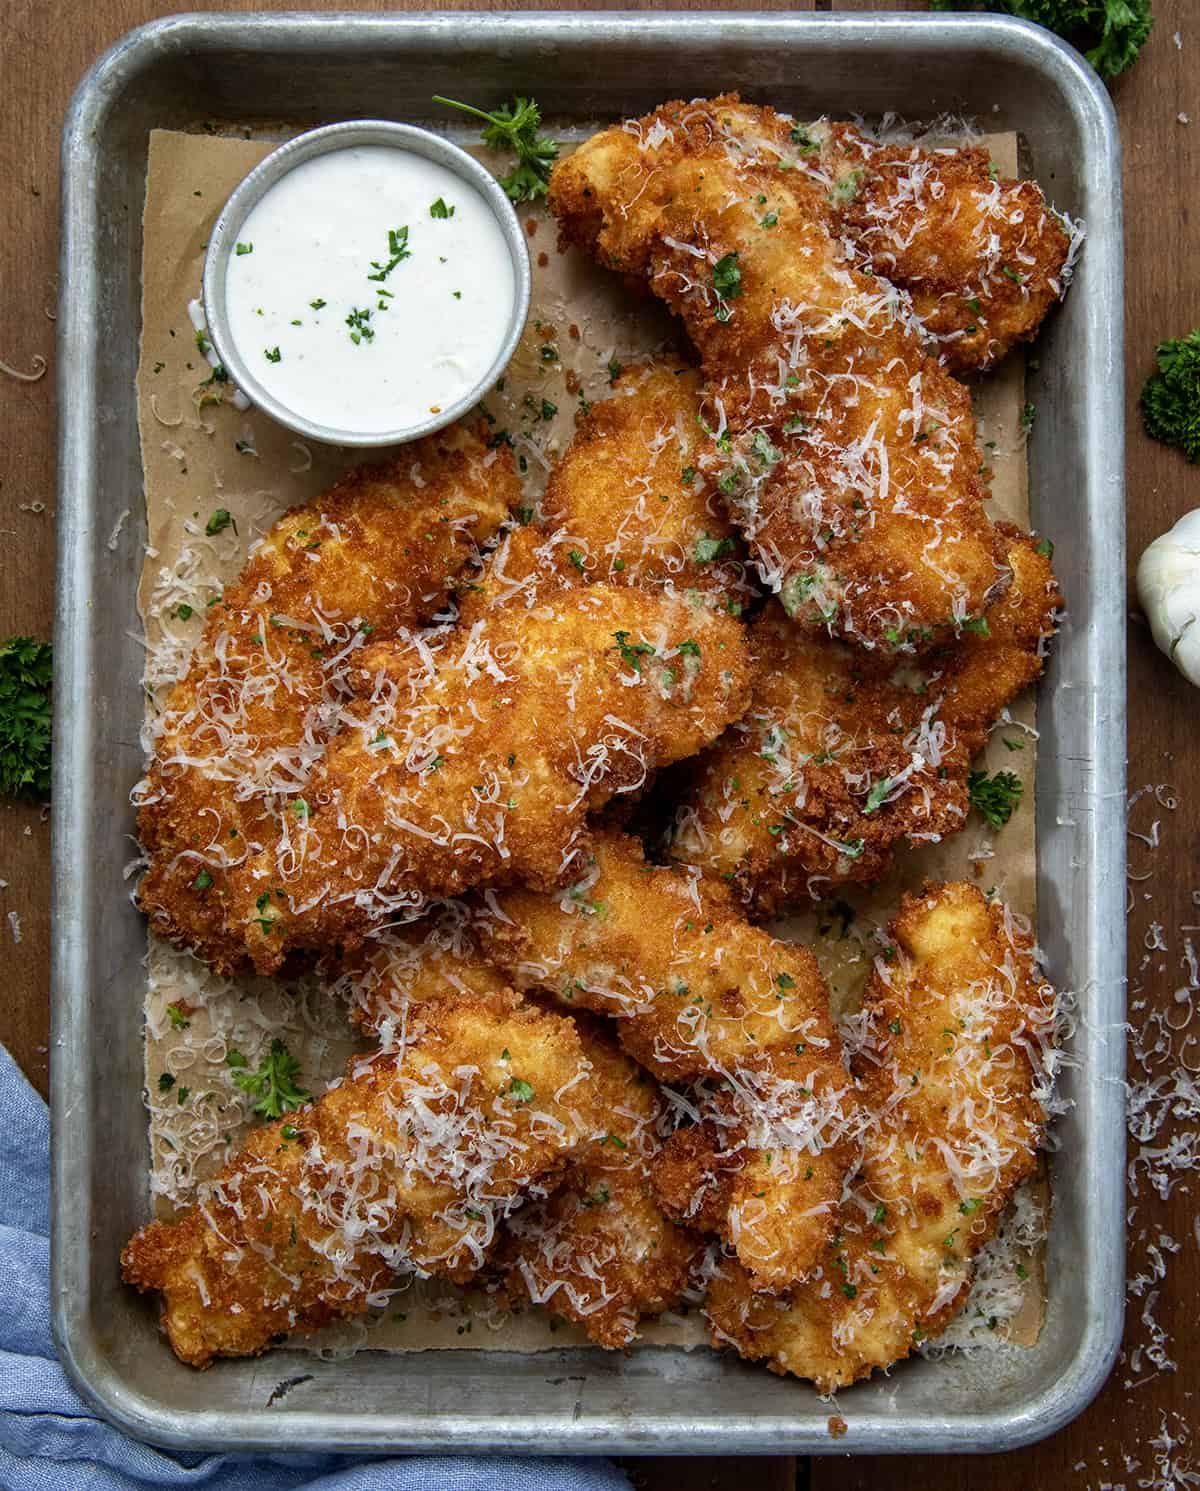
x=1168, y=586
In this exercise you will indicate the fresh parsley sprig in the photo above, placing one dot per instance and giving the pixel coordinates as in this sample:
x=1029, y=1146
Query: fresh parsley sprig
x=274, y=1084
x=1110, y=33
x=26, y=669
x=1171, y=397
x=514, y=126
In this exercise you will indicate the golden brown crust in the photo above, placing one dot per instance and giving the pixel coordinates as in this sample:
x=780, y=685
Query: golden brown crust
x=628, y=504
x=698, y=992
x=312, y=788
x=630, y=491
x=410, y=1164
x=837, y=762
x=401, y=967
x=598, y=1250
x=983, y=257
x=765, y=1174
x=243, y=729
x=956, y=1027
x=847, y=453
x=693, y=986
x=477, y=760
x=469, y=759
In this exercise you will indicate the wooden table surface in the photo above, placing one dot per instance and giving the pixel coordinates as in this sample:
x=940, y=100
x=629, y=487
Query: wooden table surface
x=45, y=45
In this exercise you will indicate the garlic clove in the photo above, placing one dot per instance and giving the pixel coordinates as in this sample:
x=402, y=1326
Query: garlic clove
x=1168, y=587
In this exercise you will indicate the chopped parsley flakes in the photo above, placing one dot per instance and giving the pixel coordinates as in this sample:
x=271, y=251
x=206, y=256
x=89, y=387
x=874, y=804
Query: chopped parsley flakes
x=632, y=653
x=877, y=794
x=726, y=283
x=398, y=251
x=359, y=323
x=997, y=798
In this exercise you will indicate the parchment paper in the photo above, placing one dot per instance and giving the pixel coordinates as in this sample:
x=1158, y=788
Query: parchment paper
x=201, y=453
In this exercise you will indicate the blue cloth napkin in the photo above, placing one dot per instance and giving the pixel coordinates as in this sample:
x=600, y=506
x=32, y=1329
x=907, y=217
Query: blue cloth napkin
x=50, y=1440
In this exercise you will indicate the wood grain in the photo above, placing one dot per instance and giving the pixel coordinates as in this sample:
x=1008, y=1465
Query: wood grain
x=47, y=46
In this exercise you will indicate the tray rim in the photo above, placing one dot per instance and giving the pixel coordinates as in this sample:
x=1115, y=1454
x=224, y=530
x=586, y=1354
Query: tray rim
x=76, y=727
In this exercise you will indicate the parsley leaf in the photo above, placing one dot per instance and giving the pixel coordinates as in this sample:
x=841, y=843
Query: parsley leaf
x=768, y=455
x=876, y=795
x=274, y=1084
x=398, y=251
x=26, y=671
x=514, y=127
x=727, y=283
x=632, y=653
x=995, y=797
x=1110, y=33
x=707, y=549
x=1171, y=397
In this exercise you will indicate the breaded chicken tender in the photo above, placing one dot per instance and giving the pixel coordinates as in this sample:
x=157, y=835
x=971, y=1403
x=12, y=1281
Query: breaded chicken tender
x=837, y=763
x=693, y=987
x=599, y=1250
x=408, y=1166
x=474, y=756
x=847, y=453
x=400, y=967
x=697, y=992
x=475, y=759
x=245, y=727
x=984, y=257
x=765, y=1164
x=628, y=504
x=958, y=1035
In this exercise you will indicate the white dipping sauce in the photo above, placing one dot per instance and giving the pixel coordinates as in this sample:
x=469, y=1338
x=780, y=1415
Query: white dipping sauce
x=369, y=289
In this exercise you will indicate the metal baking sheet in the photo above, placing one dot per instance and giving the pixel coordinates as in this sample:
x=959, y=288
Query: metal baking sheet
x=310, y=69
